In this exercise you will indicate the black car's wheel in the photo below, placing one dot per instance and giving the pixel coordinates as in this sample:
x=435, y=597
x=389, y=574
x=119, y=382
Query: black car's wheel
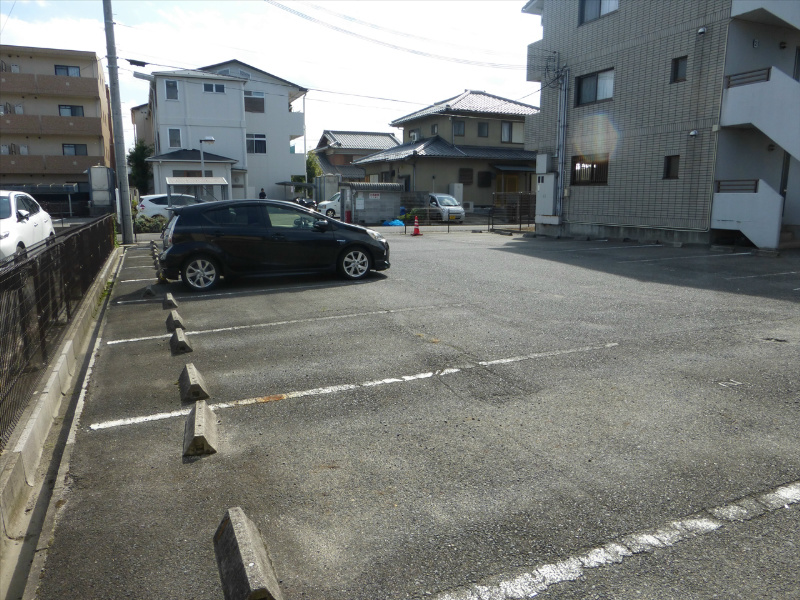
x=200, y=273
x=354, y=263
x=330, y=212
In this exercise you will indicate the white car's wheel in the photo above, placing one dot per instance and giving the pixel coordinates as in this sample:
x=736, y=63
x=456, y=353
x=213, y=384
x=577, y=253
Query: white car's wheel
x=330, y=212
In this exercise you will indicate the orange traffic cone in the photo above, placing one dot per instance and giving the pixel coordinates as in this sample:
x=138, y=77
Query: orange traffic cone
x=416, y=226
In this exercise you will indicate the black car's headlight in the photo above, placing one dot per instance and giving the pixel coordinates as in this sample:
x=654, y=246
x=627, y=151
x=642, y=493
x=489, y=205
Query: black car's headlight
x=376, y=235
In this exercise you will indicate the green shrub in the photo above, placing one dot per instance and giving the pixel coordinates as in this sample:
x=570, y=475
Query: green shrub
x=144, y=224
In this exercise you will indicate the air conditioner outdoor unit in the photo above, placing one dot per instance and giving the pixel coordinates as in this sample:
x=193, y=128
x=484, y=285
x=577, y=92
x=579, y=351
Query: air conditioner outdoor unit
x=18, y=110
x=15, y=68
x=414, y=135
x=23, y=149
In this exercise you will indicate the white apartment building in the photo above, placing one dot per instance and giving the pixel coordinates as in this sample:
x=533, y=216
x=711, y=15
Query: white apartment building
x=247, y=112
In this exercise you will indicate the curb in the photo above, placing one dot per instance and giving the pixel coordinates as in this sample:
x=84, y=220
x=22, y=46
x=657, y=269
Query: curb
x=18, y=467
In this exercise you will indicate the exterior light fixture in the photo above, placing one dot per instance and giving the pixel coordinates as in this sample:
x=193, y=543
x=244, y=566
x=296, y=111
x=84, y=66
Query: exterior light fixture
x=693, y=133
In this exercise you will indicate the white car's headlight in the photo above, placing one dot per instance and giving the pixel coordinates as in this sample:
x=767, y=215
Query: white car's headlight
x=376, y=235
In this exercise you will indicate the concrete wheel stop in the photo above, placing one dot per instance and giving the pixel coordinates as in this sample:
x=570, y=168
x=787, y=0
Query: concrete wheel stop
x=178, y=343
x=200, y=432
x=169, y=302
x=174, y=321
x=193, y=386
x=245, y=568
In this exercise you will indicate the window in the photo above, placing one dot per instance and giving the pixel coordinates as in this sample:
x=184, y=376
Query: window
x=175, y=138
x=590, y=169
x=465, y=176
x=484, y=179
x=254, y=102
x=458, y=128
x=184, y=173
x=594, y=87
x=216, y=88
x=286, y=218
x=483, y=129
x=74, y=149
x=594, y=9
x=671, y=165
x=256, y=143
x=241, y=214
x=435, y=129
x=678, y=69
x=172, y=89
x=511, y=132
x=68, y=71
x=69, y=110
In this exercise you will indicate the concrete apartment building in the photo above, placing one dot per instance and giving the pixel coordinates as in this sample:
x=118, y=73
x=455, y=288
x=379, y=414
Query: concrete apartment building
x=250, y=115
x=672, y=121
x=54, y=122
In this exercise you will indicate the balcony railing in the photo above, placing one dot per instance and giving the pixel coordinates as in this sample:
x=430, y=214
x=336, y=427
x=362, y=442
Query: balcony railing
x=748, y=77
x=734, y=186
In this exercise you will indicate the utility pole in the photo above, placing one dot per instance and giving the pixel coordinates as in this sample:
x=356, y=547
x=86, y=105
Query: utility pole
x=116, y=119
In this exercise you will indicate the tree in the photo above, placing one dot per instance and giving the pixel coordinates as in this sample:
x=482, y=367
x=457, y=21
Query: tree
x=141, y=171
x=312, y=167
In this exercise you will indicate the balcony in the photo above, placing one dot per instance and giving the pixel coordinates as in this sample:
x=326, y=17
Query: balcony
x=36, y=164
x=764, y=99
x=295, y=123
x=50, y=125
x=49, y=85
x=752, y=207
x=777, y=13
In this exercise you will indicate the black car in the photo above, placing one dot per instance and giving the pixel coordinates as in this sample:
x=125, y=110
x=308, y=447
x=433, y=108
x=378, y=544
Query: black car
x=242, y=237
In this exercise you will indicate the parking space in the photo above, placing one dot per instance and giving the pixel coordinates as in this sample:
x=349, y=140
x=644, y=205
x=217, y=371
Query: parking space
x=486, y=406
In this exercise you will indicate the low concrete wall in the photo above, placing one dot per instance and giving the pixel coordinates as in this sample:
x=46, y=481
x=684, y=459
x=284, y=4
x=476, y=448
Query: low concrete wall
x=18, y=466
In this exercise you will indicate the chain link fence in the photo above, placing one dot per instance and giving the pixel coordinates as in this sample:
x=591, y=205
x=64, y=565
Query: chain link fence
x=39, y=293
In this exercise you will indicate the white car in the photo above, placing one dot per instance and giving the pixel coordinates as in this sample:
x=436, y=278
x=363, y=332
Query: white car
x=156, y=204
x=445, y=208
x=331, y=207
x=23, y=223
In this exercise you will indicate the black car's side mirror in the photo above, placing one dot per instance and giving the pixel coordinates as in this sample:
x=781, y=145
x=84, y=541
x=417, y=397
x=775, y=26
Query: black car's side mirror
x=22, y=215
x=321, y=225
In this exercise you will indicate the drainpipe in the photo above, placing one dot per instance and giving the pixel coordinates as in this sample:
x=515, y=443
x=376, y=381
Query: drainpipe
x=561, y=141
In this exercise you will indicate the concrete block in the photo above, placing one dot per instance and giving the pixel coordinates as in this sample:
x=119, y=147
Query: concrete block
x=193, y=386
x=200, y=431
x=243, y=561
x=31, y=442
x=69, y=355
x=63, y=374
x=174, y=321
x=148, y=292
x=178, y=343
x=169, y=302
x=13, y=492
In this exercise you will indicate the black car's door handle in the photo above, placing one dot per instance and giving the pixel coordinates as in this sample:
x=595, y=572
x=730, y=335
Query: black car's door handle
x=278, y=237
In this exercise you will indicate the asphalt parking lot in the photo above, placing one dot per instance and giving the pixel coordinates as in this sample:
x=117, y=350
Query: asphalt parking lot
x=488, y=408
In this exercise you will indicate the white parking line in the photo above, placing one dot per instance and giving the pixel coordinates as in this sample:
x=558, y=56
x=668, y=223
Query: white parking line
x=342, y=388
x=762, y=275
x=243, y=292
x=138, y=280
x=292, y=322
x=688, y=257
x=531, y=583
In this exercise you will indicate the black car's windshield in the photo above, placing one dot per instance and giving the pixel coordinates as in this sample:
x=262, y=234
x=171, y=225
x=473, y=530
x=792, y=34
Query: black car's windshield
x=5, y=207
x=447, y=201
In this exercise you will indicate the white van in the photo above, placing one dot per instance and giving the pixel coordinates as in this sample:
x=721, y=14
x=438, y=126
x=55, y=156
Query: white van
x=332, y=206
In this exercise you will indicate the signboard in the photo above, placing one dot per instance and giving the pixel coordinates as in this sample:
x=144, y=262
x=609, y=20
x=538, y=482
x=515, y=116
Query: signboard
x=359, y=203
x=374, y=196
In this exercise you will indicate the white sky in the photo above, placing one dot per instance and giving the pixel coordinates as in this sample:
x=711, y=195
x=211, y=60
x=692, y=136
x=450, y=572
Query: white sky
x=338, y=67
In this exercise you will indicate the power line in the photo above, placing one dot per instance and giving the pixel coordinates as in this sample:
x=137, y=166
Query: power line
x=463, y=61
x=400, y=33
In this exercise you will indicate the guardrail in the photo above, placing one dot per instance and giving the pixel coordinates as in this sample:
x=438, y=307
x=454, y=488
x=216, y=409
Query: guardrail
x=39, y=292
x=748, y=77
x=733, y=186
